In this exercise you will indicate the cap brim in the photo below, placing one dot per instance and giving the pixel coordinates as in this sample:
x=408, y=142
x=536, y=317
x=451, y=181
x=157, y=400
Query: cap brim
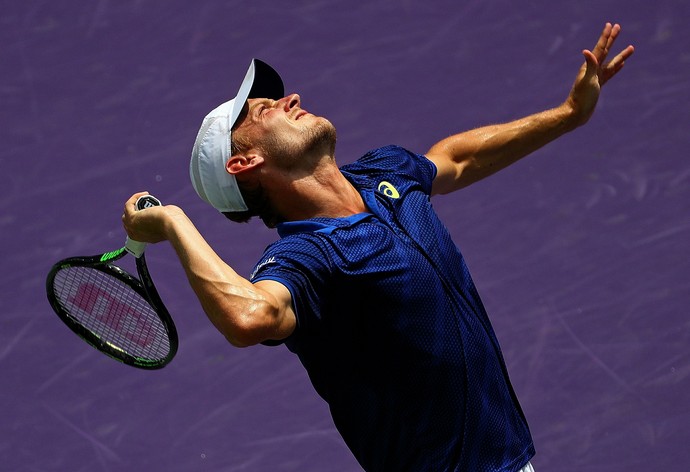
x=267, y=82
x=261, y=81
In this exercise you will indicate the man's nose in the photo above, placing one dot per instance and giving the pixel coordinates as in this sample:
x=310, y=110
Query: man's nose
x=290, y=101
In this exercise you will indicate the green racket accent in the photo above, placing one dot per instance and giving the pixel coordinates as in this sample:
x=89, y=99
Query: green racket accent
x=108, y=256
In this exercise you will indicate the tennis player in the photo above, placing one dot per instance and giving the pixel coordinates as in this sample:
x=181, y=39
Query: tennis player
x=365, y=284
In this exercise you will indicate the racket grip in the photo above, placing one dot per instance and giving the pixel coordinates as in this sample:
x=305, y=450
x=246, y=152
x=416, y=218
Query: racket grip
x=136, y=248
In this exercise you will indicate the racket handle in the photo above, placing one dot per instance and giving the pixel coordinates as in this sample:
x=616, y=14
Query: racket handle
x=136, y=248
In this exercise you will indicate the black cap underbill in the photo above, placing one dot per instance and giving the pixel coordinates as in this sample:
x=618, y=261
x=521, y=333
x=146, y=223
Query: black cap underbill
x=267, y=82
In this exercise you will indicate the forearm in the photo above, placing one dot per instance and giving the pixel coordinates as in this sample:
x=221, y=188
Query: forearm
x=232, y=303
x=479, y=153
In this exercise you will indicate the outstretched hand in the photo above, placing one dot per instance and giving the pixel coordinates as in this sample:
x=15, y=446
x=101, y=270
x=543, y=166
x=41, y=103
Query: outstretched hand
x=595, y=72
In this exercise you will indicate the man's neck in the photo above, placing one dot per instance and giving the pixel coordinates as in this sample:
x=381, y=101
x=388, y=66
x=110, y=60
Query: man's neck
x=323, y=192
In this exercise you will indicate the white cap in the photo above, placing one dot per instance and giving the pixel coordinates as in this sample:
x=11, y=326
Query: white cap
x=211, y=151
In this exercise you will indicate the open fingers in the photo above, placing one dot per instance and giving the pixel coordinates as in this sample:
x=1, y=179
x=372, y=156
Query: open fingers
x=621, y=57
x=603, y=47
x=606, y=40
x=616, y=64
x=613, y=34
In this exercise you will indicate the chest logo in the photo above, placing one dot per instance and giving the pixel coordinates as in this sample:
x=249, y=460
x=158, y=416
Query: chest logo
x=388, y=190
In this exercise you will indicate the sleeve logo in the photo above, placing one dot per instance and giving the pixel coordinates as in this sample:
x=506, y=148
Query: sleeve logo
x=270, y=260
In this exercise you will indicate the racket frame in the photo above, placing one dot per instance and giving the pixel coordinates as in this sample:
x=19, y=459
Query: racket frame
x=144, y=287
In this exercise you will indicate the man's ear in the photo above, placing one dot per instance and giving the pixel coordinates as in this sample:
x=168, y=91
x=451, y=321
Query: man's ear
x=241, y=163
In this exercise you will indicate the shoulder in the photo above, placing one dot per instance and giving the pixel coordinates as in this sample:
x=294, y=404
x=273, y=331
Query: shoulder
x=296, y=253
x=391, y=165
x=390, y=158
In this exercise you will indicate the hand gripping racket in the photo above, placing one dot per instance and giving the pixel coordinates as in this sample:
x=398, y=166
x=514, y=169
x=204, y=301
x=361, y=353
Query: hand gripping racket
x=112, y=310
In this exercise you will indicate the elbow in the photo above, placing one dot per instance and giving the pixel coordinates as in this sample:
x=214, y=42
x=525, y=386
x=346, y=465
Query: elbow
x=250, y=328
x=243, y=334
x=239, y=339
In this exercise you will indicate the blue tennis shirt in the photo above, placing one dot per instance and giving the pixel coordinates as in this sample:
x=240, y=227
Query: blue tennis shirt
x=392, y=331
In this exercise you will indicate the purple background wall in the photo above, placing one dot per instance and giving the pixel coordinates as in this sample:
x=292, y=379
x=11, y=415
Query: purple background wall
x=580, y=252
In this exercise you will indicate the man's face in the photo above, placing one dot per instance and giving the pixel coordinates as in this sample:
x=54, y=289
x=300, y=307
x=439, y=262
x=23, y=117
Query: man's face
x=284, y=131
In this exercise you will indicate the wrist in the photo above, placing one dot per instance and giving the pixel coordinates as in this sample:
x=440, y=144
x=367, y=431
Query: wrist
x=571, y=114
x=173, y=220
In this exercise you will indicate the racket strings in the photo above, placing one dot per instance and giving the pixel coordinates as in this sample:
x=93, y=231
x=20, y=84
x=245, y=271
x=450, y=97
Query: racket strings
x=113, y=311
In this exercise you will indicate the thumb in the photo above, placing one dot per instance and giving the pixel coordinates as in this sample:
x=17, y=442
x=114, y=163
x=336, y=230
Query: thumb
x=592, y=63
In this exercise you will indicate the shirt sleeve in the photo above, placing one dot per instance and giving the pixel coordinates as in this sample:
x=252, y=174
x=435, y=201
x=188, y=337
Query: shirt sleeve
x=301, y=264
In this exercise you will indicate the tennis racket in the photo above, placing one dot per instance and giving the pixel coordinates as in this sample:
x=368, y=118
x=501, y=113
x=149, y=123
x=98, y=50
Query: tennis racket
x=112, y=310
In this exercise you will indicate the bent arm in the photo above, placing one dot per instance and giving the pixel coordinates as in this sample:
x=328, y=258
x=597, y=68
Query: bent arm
x=245, y=313
x=467, y=157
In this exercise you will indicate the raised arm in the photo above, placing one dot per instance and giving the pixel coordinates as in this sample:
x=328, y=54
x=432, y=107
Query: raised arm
x=245, y=313
x=468, y=157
